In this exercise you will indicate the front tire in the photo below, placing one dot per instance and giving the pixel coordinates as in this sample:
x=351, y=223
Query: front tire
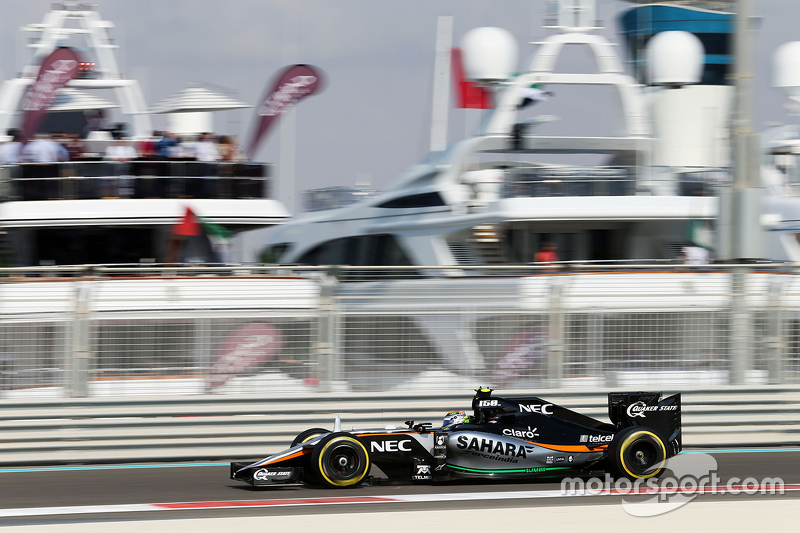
x=637, y=453
x=340, y=460
x=307, y=435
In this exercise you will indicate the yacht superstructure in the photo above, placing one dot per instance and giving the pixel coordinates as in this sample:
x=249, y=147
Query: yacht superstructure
x=490, y=198
x=90, y=210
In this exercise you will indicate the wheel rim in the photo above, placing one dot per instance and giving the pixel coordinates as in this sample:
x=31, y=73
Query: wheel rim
x=344, y=461
x=642, y=455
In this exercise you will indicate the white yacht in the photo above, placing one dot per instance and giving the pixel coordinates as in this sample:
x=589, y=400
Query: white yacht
x=63, y=213
x=496, y=197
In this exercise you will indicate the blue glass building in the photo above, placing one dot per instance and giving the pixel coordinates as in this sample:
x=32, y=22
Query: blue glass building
x=714, y=29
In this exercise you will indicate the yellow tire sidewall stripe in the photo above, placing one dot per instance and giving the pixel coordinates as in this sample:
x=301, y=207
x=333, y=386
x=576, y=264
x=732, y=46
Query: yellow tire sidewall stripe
x=346, y=482
x=633, y=436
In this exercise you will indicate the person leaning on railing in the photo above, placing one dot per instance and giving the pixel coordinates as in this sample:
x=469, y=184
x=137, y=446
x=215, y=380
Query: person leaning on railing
x=11, y=152
x=42, y=149
x=205, y=149
x=74, y=146
x=120, y=153
x=547, y=255
x=229, y=150
x=166, y=144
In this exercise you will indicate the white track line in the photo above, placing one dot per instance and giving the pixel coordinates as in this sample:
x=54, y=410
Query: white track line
x=324, y=501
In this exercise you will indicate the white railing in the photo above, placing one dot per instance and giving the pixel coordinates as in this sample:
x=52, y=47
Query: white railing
x=252, y=427
x=111, y=332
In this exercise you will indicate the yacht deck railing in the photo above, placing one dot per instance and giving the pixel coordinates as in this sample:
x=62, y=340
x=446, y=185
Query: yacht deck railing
x=85, y=180
x=612, y=181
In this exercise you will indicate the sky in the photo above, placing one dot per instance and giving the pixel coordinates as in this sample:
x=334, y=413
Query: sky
x=373, y=118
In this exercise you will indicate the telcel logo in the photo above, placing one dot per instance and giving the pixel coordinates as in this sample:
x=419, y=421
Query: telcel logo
x=390, y=446
x=595, y=439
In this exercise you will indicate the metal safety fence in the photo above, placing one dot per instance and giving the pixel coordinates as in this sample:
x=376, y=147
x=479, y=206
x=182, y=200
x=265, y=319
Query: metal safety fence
x=141, y=331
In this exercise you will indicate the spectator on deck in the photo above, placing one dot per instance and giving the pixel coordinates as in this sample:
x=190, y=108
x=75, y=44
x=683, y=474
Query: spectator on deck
x=11, y=152
x=42, y=149
x=205, y=149
x=182, y=149
x=120, y=153
x=547, y=255
x=147, y=148
x=229, y=150
x=74, y=147
x=165, y=145
x=694, y=255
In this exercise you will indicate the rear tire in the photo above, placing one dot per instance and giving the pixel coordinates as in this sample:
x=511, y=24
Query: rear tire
x=340, y=460
x=307, y=435
x=637, y=453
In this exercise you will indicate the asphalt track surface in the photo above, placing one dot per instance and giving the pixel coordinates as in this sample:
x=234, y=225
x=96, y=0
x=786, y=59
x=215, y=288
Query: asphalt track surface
x=146, y=484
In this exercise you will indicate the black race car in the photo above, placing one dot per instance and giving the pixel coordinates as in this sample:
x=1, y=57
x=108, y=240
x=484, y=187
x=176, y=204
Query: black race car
x=507, y=438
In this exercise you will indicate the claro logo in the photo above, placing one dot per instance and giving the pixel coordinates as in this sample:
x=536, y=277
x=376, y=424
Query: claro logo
x=390, y=446
x=521, y=433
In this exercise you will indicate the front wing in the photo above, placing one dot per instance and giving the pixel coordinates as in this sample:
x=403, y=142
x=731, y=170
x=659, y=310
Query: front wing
x=265, y=475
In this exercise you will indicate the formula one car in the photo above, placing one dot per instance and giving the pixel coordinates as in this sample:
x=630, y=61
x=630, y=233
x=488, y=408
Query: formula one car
x=505, y=439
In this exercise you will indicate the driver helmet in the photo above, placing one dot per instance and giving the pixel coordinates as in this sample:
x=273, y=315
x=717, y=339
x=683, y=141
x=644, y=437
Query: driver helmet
x=455, y=417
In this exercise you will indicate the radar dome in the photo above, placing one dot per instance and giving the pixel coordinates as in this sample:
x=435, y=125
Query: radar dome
x=490, y=54
x=786, y=68
x=675, y=58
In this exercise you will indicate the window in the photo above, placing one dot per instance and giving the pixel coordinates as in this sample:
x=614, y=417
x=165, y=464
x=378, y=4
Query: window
x=362, y=250
x=428, y=199
x=273, y=254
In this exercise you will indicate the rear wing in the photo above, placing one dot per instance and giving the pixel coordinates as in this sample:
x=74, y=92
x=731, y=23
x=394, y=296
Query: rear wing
x=648, y=409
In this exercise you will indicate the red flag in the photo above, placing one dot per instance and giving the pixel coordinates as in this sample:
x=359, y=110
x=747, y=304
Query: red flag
x=293, y=84
x=56, y=70
x=468, y=94
x=189, y=225
x=190, y=242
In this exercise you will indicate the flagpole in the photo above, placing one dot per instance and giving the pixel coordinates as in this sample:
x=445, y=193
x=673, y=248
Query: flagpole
x=441, y=84
x=288, y=128
x=739, y=231
x=286, y=187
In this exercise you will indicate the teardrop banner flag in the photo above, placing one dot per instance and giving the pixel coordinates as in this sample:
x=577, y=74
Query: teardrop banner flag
x=56, y=70
x=293, y=84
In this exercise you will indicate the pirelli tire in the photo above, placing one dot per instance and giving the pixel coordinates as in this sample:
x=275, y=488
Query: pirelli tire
x=637, y=453
x=307, y=435
x=339, y=460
